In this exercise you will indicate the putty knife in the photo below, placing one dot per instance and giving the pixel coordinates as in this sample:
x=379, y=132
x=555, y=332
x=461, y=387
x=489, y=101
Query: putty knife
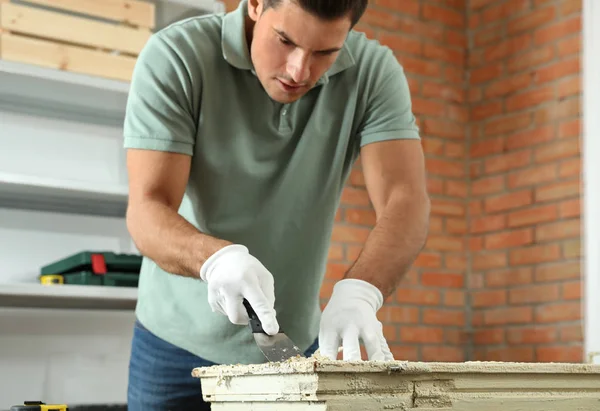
x=276, y=347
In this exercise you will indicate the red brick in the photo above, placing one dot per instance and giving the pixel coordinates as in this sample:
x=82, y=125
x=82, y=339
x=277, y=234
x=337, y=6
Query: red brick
x=531, y=20
x=454, y=298
x=489, y=336
x=558, y=70
x=507, y=124
x=488, y=223
x=448, y=17
x=508, y=277
x=428, y=260
x=557, y=150
x=401, y=315
x=401, y=42
x=390, y=333
x=504, y=202
x=569, y=333
x=558, y=312
x=357, y=178
x=435, y=185
x=455, y=208
x=453, y=188
x=535, y=254
x=569, y=87
x=509, y=239
x=436, y=224
x=558, y=30
x=475, y=244
x=381, y=18
x=457, y=39
x=429, y=107
x=355, y=196
x=533, y=175
x=570, y=168
x=421, y=335
x=405, y=7
x=528, y=99
x=454, y=150
x=488, y=298
x=558, y=271
x=417, y=296
x=569, y=128
x=479, y=4
x=336, y=271
x=558, y=191
x=572, y=249
x=533, y=215
x=487, y=185
x=347, y=234
x=486, y=110
x=456, y=226
x=560, y=353
x=358, y=216
x=456, y=337
x=508, y=161
x=532, y=335
x=489, y=34
x=508, y=47
x=436, y=279
x=569, y=208
x=567, y=108
x=486, y=73
x=404, y=353
x=508, y=85
x=530, y=59
x=534, y=294
x=572, y=290
x=484, y=261
x=448, y=93
x=568, y=7
x=529, y=138
x=487, y=147
x=336, y=252
x=509, y=315
x=559, y=230
x=420, y=66
x=443, y=317
x=444, y=243
x=444, y=54
x=442, y=353
x=569, y=46
x=502, y=10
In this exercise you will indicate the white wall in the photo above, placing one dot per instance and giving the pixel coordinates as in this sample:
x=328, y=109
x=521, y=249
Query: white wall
x=64, y=356
x=591, y=154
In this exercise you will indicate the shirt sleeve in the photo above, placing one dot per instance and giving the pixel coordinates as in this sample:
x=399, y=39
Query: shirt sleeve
x=159, y=113
x=388, y=114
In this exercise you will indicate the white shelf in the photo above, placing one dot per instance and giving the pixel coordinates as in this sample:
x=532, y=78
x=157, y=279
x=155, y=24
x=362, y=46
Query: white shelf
x=39, y=90
x=31, y=295
x=40, y=193
x=210, y=6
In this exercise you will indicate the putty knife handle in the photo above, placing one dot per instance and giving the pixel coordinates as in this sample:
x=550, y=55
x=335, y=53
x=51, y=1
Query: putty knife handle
x=255, y=324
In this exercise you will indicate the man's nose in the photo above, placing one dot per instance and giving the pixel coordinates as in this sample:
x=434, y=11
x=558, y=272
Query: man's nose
x=298, y=66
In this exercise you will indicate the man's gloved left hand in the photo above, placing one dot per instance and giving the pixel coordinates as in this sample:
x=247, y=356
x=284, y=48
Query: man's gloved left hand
x=352, y=314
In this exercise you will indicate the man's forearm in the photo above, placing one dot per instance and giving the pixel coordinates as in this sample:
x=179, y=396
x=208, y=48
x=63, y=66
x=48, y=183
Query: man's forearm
x=164, y=236
x=393, y=244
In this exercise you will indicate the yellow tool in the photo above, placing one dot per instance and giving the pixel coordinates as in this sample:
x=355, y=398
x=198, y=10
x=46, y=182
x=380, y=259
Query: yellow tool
x=39, y=406
x=49, y=279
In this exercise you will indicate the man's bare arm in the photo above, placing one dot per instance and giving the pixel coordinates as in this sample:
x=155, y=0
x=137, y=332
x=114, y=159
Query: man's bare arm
x=394, y=173
x=157, y=182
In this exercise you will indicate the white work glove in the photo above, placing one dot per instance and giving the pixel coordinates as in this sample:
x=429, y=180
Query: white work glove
x=233, y=274
x=350, y=315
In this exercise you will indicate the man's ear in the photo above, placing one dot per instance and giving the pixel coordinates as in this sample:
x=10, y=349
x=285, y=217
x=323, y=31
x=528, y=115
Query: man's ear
x=255, y=9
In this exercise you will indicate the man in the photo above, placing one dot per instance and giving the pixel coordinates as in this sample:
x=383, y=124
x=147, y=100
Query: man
x=241, y=130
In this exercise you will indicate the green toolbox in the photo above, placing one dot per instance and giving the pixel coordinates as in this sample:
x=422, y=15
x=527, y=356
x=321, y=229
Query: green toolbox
x=94, y=268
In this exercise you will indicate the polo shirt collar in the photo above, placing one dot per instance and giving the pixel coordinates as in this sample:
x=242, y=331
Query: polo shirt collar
x=235, y=48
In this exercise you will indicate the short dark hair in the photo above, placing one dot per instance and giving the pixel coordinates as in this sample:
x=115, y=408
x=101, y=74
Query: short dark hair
x=328, y=9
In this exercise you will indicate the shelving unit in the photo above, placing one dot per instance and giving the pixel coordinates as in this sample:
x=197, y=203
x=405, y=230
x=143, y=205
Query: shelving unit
x=40, y=193
x=31, y=89
x=67, y=296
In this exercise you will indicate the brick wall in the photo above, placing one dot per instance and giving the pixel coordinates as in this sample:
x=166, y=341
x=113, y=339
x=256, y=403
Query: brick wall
x=524, y=93
x=495, y=87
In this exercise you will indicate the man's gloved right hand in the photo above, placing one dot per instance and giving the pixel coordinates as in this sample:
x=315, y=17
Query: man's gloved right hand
x=233, y=274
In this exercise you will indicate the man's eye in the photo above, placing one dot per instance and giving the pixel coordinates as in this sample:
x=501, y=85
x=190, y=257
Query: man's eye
x=284, y=41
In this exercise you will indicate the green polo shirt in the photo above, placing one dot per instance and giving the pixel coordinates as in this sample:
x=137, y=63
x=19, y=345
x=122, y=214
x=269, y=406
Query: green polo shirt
x=263, y=174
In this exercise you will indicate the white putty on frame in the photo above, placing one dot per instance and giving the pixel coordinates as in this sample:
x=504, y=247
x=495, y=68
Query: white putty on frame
x=318, y=384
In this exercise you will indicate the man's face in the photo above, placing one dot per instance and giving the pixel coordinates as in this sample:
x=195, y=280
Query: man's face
x=291, y=49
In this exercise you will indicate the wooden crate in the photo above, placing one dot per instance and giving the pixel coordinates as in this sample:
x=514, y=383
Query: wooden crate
x=96, y=37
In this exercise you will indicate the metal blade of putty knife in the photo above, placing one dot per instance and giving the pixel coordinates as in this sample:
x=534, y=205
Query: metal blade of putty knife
x=276, y=347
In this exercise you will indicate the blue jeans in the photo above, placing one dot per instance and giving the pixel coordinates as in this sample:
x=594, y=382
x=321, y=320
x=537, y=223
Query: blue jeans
x=160, y=375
